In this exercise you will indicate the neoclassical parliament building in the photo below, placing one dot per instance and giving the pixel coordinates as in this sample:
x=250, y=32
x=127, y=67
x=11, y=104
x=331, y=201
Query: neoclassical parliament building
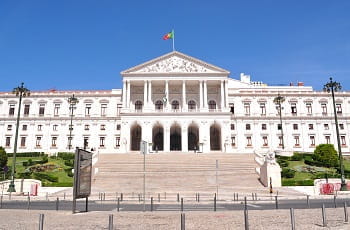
x=176, y=103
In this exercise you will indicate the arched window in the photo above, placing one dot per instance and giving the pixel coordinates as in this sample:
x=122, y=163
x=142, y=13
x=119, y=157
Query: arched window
x=212, y=105
x=175, y=105
x=138, y=105
x=191, y=105
x=159, y=105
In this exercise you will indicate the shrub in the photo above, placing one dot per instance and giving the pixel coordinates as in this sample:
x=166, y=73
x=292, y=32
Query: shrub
x=297, y=157
x=291, y=182
x=69, y=163
x=283, y=163
x=43, y=176
x=326, y=154
x=27, y=154
x=66, y=156
x=70, y=174
x=3, y=157
x=288, y=173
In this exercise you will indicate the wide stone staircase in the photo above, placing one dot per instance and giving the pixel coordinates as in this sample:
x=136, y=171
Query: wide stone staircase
x=172, y=173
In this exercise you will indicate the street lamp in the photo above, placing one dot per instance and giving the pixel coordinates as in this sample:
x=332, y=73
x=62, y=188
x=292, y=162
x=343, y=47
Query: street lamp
x=72, y=102
x=21, y=92
x=332, y=86
x=278, y=101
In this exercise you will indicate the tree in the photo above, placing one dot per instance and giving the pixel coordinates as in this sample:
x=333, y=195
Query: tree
x=279, y=101
x=327, y=155
x=3, y=157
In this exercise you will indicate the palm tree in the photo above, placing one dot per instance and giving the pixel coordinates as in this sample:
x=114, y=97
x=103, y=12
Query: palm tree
x=21, y=92
x=279, y=101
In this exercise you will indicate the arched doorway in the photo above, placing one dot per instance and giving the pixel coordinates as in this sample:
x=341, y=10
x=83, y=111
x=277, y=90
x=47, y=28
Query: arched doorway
x=193, y=137
x=175, y=138
x=215, y=137
x=135, y=137
x=158, y=138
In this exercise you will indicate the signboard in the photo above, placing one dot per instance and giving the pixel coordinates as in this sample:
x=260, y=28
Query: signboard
x=143, y=148
x=82, y=173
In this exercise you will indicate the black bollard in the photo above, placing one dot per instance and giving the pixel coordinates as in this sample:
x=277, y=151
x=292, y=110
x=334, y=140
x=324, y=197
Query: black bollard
x=215, y=202
x=276, y=201
x=110, y=222
x=182, y=221
x=292, y=218
x=28, y=203
x=182, y=204
x=335, y=201
x=1, y=202
x=346, y=217
x=151, y=204
x=308, y=201
x=57, y=203
x=41, y=221
x=324, y=220
x=158, y=197
x=118, y=204
x=252, y=196
x=198, y=197
x=246, y=221
x=245, y=203
x=178, y=197
x=121, y=196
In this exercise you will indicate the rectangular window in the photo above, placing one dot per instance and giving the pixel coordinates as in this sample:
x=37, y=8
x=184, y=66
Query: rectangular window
x=294, y=109
x=279, y=126
x=24, y=127
x=23, y=141
x=102, y=141
x=249, y=141
x=324, y=108
x=103, y=127
x=341, y=126
x=328, y=139
x=86, y=142
x=312, y=141
x=233, y=141
x=38, y=142
x=263, y=127
x=56, y=109
x=232, y=108
x=70, y=141
x=117, y=142
x=280, y=144
x=8, y=141
x=103, y=109
x=338, y=108
x=118, y=127
x=311, y=126
x=247, y=126
x=326, y=126
x=9, y=127
x=309, y=108
x=41, y=109
x=12, y=110
x=232, y=126
x=87, y=109
x=53, y=141
x=343, y=140
x=54, y=127
x=119, y=108
x=86, y=127
x=263, y=109
x=278, y=109
x=295, y=126
x=26, y=110
x=265, y=141
x=296, y=141
x=40, y=127
x=246, y=108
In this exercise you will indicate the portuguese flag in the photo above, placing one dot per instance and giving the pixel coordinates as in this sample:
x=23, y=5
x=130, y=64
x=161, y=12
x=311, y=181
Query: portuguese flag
x=168, y=35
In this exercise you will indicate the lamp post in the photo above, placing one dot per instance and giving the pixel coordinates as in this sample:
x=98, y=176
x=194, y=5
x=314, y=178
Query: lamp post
x=278, y=101
x=72, y=102
x=21, y=92
x=332, y=86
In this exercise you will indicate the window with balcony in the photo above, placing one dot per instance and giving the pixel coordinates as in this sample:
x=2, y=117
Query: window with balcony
x=312, y=140
x=279, y=126
x=138, y=106
x=296, y=141
x=249, y=141
x=102, y=127
x=263, y=126
x=102, y=142
x=24, y=127
x=309, y=108
x=233, y=141
x=191, y=105
x=56, y=109
x=341, y=126
x=246, y=108
x=23, y=141
x=103, y=109
x=175, y=105
x=232, y=108
x=311, y=126
x=12, y=110
x=53, y=141
x=40, y=127
x=118, y=127
x=117, y=142
x=262, y=109
x=87, y=110
x=159, y=105
x=212, y=105
x=326, y=126
x=26, y=110
x=280, y=143
x=293, y=108
x=232, y=126
x=38, y=141
x=295, y=126
x=8, y=142
x=265, y=141
x=54, y=127
x=9, y=127
x=343, y=140
x=328, y=139
x=247, y=127
x=41, y=109
x=324, y=108
x=338, y=108
x=86, y=127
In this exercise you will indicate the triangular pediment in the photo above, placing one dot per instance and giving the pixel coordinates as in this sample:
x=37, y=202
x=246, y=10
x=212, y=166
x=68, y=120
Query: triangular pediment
x=175, y=63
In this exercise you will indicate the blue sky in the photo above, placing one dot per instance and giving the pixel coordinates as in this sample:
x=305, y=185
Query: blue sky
x=85, y=44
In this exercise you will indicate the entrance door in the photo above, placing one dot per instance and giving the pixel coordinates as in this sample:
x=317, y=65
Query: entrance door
x=193, y=138
x=158, y=138
x=215, y=138
x=135, y=135
x=175, y=138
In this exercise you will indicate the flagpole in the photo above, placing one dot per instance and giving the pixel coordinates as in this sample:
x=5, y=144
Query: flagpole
x=173, y=40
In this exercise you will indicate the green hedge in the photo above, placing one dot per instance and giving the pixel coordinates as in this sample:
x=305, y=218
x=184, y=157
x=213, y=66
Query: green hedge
x=57, y=184
x=27, y=154
x=291, y=182
x=66, y=155
x=43, y=176
x=288, y=173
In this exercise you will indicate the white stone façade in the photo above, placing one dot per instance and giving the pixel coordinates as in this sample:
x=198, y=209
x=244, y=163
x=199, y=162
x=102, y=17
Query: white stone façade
x=176, y=103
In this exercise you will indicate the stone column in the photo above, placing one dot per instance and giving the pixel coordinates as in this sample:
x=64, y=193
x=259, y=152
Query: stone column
x=150, y=104
x=205, y=101
x=184, y=138
x=166, y=138
x=124, y=93
x=222, y=95
x=200, y=94
x=226, y=94
x=145, y=101
x=128, y=95
x=184, y=108
x=167, y=94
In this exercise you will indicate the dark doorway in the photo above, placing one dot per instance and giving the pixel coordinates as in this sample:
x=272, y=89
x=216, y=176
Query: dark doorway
x=193, y=137
x=215, y=138
x=135, y=136
x=175, y=138
x=158, y=138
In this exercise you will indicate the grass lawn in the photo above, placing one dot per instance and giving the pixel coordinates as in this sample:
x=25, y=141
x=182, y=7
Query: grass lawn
x=63, y=178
